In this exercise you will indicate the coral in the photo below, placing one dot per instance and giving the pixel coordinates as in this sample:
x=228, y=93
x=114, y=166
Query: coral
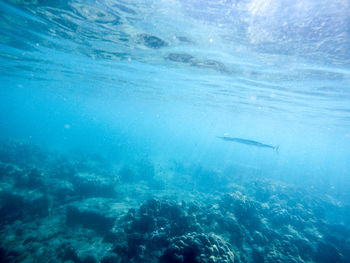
x=74, y=210
x=195, y=247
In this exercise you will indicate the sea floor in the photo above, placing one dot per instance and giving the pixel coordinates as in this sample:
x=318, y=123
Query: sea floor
x=80, y=208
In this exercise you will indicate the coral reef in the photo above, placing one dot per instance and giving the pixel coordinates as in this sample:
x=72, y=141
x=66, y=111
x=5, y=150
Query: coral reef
x=81, y=209
x=196, y=247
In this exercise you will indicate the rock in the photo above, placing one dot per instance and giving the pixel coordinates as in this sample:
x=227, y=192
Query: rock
x=64, y=209
x=31, y=178
x=93, y=213
x=14, y=206
x=62, y=190
x=157, y=214
x=148, y=229
x=194, y=247
x=80, y=253
x=92, y=185
x=245, y=209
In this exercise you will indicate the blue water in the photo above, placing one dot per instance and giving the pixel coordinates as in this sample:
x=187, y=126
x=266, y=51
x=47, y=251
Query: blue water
x=160, y=80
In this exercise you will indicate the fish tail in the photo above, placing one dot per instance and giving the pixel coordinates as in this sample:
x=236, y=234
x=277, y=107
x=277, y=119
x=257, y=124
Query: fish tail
x=276, y=148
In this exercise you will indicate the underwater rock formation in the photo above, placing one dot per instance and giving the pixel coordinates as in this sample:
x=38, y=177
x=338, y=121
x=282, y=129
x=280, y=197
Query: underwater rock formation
x=198, y=248
x=91, y=185
x=19, y=206
x=168, y=231
x=74, y=209
x=91, y=213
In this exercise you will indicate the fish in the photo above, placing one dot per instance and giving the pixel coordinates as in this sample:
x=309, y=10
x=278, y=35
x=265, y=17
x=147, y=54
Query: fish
x=249, y=142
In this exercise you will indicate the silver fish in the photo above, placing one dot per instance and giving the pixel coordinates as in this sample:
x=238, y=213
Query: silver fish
x=249, y=142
